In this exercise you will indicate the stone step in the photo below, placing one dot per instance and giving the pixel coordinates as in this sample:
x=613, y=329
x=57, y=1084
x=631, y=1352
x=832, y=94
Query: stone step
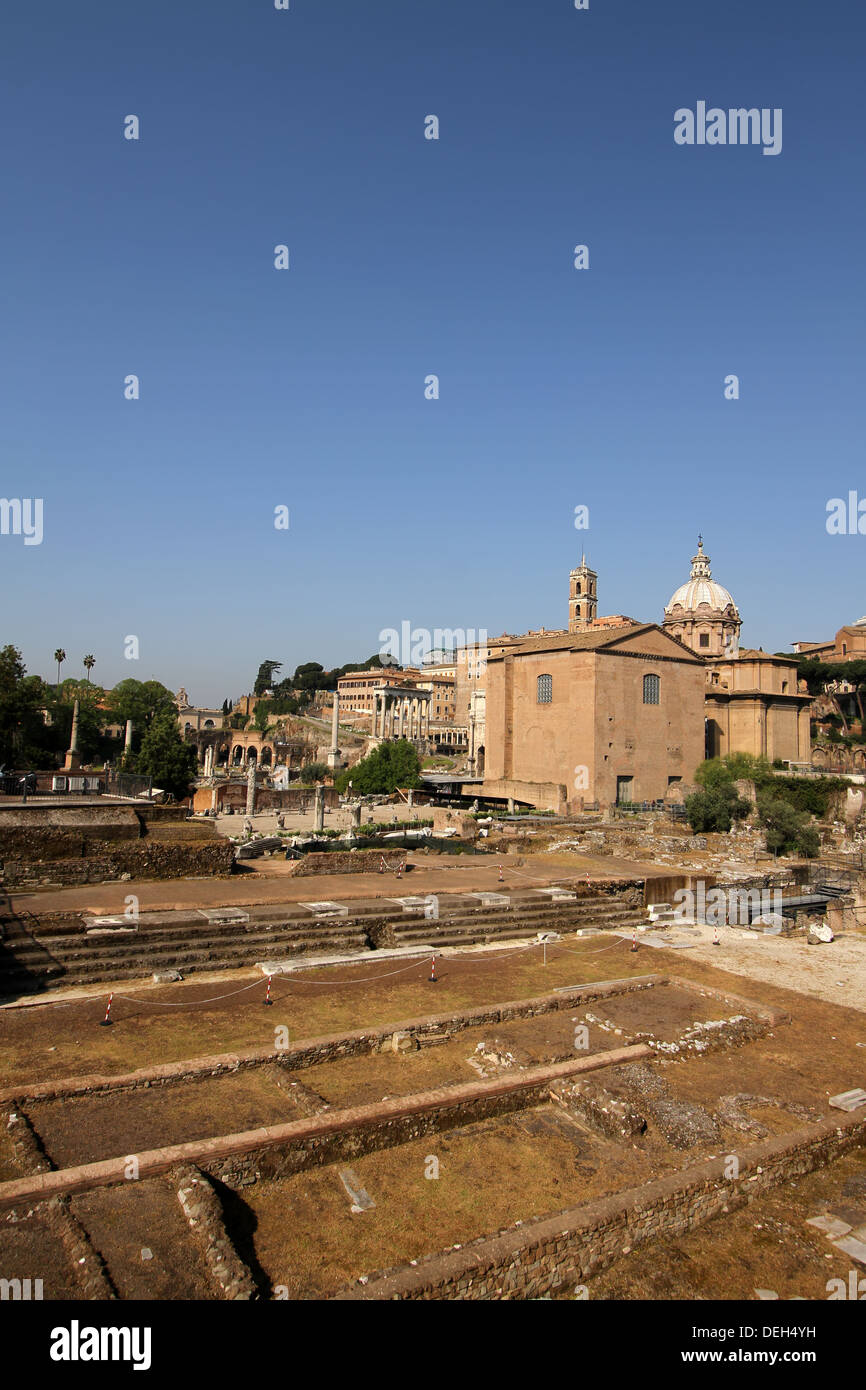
x=192, y=942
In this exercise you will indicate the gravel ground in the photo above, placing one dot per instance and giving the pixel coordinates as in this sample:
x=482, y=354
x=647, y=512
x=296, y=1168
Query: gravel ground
x=834, y=971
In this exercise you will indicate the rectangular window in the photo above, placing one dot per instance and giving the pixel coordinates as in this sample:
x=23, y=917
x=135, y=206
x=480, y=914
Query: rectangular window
x=544, y=690
x=651, y=690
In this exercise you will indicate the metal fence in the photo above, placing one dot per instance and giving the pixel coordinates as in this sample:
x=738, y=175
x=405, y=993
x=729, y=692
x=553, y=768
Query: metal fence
x=128, y=784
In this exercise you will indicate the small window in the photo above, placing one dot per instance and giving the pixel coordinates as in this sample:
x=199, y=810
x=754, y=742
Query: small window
x=544, y=690
x=704, y=639
x=650, y=690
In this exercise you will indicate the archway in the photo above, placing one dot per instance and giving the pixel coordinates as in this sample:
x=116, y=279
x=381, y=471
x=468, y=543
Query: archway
x=266, y=757
x=237, y=755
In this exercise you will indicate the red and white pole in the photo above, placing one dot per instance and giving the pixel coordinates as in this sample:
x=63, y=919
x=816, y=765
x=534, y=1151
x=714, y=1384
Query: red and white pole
x=400, y=869
x=108, y=1020
x=716, y=941
x=501, y=875
x=634, y=939
x=268, y=1000
x=381, y=863
x=433, y=977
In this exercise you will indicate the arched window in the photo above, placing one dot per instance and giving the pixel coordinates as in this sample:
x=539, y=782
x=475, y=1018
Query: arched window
x=651, y=690
x=544, y=690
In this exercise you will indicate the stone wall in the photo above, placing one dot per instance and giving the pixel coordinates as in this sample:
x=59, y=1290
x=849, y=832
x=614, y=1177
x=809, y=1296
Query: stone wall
x=312, y=1052
x=274, y=1150
x=348, y=861
x=542, y=1256
x=297, y=799
x=104, y=862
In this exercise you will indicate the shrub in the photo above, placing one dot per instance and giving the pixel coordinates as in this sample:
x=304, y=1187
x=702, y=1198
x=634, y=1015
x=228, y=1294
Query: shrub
x=716, y=808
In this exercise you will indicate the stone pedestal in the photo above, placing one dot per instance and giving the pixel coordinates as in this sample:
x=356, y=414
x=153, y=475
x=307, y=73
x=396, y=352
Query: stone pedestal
x=251, y=789
x=319, y=808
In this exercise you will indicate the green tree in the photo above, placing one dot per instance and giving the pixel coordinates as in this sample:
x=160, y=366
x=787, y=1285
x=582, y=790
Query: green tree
x=142, y=702
x=24, y=738
x=733, y=767
x=261, y=715
x=787, y=829
x=165, y=757
x=92, y=743
x=265, y=678
x=716, y=808
x=89, y=663
x=314, y=772
x=59, y=657
x=388, y=767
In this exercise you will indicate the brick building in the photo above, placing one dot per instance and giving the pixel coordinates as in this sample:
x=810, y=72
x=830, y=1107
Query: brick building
x=610, y=716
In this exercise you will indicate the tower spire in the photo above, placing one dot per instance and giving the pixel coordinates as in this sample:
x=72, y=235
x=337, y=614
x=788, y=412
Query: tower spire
x=582, y=597
x=701, y=562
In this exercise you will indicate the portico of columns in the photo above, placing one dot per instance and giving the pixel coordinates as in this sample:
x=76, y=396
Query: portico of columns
x=400, y=713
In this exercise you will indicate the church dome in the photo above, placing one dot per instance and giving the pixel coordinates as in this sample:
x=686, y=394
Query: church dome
x=701, y=589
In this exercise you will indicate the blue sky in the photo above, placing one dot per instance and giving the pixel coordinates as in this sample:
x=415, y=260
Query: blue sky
x=305, y=388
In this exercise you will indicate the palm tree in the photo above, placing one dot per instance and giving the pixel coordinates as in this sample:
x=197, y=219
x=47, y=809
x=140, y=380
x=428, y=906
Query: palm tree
x=89, y=663
x=59, y=657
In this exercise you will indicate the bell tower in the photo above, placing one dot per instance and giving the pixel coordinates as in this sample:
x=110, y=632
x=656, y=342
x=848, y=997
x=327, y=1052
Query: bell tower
x=582, y=597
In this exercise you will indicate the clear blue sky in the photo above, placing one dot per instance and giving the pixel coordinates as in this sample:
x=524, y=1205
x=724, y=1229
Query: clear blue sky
x=408, y=257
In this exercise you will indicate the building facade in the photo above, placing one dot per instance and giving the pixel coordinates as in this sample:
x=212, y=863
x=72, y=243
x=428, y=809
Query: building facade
x=594, y=718
x=754, y=705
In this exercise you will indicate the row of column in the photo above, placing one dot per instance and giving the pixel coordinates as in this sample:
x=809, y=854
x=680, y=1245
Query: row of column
x=399, y=716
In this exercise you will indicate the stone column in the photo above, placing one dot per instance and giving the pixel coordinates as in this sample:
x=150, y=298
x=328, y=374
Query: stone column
x=319, y=807
x=73, y=757
x=251, y=789
x=411, y=797
x=334, y=755
x=356, y=816
x=127, y=746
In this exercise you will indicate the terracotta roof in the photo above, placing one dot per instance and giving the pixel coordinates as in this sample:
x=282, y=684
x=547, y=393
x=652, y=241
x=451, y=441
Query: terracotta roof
x=591, y=641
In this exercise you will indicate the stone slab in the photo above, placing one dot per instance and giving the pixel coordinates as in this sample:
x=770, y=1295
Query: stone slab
x=492, y=899
x=849, y=1100
x=360, y=1198
x=829, y=1226
x=849, y=1245
x=327, y=909
x=216, y=916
